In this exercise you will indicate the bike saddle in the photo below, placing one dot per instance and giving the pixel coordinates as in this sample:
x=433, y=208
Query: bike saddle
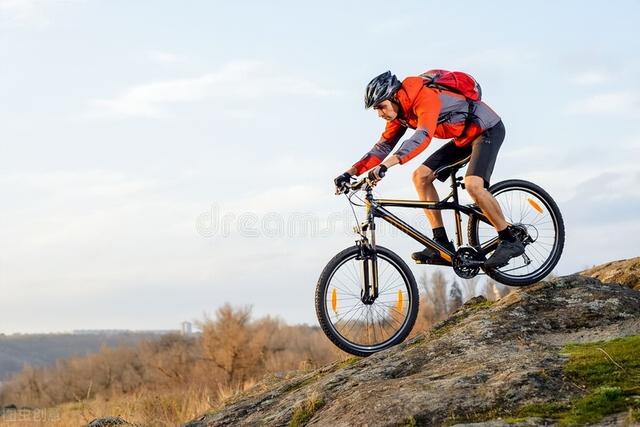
x=443, y=172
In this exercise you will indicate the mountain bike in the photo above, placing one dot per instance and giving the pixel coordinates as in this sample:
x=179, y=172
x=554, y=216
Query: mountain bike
x=367, y=299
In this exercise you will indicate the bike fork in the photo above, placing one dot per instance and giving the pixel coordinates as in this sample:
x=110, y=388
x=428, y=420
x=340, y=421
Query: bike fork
x=369, y=291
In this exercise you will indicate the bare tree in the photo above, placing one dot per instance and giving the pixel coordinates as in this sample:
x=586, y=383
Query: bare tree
x=435, y=301
x=232, y=345
x=493, y=290
x=469, y=288
x=455, y=297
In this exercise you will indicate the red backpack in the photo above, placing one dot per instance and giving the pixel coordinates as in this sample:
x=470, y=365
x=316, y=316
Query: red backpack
x=454, y=81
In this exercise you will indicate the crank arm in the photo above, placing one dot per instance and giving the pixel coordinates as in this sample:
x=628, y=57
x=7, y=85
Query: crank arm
x=473, y=263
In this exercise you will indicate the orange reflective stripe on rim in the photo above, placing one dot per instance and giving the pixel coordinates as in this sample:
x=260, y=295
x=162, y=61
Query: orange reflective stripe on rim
x=535, y=205
x=400, y=302
x=334, y=301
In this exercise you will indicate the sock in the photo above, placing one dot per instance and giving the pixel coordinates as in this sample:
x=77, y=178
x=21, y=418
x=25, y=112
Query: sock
x=506, y=235
x=440, y=234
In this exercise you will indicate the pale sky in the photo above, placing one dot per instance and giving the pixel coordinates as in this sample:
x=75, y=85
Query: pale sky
x=157, y=156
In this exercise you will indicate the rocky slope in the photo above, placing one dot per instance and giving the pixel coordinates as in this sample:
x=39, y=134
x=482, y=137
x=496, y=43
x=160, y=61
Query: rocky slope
x=486, y=359
x=489, y=363
x=625, y=272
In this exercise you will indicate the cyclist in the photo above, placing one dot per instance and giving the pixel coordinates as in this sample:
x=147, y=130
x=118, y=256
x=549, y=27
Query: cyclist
x=436, y=112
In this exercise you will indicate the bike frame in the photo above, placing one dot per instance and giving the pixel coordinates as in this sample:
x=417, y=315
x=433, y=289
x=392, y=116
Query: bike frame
x=375, y=208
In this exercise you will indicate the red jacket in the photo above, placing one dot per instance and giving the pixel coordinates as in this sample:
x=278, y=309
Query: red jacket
x=432, y=113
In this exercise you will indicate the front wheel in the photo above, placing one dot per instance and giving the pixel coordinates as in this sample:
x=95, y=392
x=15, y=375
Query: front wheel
x=363, y=329
x=536, y=220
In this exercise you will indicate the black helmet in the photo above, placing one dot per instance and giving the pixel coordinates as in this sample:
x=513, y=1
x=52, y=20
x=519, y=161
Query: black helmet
x=380, y=89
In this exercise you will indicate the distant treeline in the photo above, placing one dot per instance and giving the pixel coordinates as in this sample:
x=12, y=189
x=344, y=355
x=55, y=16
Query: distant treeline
x=18, y=350
x=231, y=352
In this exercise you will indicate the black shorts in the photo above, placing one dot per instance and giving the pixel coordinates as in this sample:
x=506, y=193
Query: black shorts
x=483, y=150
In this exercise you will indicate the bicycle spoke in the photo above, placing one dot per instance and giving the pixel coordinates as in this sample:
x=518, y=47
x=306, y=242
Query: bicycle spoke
x=346, y=291
x=386, y=288
x=349, y=310
x=360, y=308
x=385, y=321
x=355, y=272
x=347, y=276
x=381, y=275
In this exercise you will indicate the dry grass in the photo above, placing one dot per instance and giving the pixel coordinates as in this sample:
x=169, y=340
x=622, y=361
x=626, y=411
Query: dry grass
x=143, y=408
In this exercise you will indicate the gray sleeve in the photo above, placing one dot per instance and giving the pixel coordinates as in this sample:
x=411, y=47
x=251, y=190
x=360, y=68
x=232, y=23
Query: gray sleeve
x=412, y=144
x=383, y=147
x=378, y=153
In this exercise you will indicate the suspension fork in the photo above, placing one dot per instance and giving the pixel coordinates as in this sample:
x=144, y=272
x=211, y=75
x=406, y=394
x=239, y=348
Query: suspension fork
x=369, y=292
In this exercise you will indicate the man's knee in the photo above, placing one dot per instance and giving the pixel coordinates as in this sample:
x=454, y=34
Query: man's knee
x=422, y=176
x=474, y=185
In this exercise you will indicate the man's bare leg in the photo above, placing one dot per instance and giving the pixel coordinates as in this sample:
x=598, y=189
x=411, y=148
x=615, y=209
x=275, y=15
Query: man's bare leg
x=509, y=246
x=486, y=201
x=423, y=181
x=423, y=178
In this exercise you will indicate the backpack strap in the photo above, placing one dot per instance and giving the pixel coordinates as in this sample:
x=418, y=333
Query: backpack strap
x=470, y=116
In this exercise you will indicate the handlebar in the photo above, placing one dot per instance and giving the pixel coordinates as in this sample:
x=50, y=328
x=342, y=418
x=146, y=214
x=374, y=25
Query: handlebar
x=365, y=182
x=359, y=184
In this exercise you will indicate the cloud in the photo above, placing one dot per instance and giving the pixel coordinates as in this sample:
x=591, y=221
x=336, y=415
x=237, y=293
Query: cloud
x=74, y=184
x=237, y=80
x=498, y=58
x=626, y=104
x=589, y=78
x=239, y=114
x=163, y=57
x=606, y=186
x=22, y=13
x=390, y=25
x=113, y=227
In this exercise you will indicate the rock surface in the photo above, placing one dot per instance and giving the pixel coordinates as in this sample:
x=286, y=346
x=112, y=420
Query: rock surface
x=483, y=359
x=109, y=422
x=625, y=272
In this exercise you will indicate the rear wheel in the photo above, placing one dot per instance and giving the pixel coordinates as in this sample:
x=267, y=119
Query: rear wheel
x=363, y=329
x=536, y=220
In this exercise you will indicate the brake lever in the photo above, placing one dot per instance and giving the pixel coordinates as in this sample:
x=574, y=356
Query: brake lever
x=343, y=189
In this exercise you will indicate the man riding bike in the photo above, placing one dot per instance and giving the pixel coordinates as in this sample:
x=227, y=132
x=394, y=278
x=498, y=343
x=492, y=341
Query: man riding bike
x=436, y=112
